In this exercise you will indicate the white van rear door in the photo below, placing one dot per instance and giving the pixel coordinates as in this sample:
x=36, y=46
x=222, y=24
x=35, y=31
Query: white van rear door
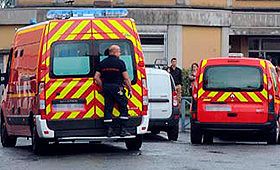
x=160, y=95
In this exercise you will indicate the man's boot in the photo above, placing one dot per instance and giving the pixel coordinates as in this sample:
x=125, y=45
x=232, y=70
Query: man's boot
x=124, y=132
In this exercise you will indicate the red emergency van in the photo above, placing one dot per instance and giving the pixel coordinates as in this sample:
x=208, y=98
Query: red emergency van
x=50, y=94
x=235, y=95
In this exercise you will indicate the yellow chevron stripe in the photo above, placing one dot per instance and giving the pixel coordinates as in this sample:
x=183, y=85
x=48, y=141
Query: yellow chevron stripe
x=48, y=109
x=67, y=89
x=204, y=62
x=90, y=113
x=77, y=30
x=128, y=23
x=254, y=96
x=99, y=97
x=90, y=97
x=264, y=79
x=48, y=61
x=82, y=89
x=212, y=94
x=138, y=89
x=31, y=29
x=44, y=49
x=87, y=35
x=99, y=112
x=206, y=100
x=262, y=63
x=98, y=36
x=132, y=113
x=73, y=115
x=224, y=97
x=200, y=92
x=53, y=87
x=116, y=112
x=240, y=97
x=264, y=93
x=60, y=32
x=106, y=29
x=136, y=102
x=47, y=78
x=51, y=27
x=57, y=115
x=200, y=78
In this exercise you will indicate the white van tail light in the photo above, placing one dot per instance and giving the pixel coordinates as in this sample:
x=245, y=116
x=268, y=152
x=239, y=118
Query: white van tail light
x=145, y=96
x=175, y=99
x=42, y=101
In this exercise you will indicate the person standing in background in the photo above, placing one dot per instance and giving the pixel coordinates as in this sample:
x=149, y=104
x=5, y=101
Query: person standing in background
x=192, y=77
x=176, y=73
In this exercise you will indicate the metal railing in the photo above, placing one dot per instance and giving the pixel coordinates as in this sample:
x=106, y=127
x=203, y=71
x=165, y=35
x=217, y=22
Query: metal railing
x=186, y=101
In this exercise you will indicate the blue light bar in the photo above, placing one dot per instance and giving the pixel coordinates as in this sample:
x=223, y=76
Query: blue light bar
x=96, y=13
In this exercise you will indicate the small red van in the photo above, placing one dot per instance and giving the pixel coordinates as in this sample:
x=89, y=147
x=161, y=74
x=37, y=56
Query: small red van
x=235, y=95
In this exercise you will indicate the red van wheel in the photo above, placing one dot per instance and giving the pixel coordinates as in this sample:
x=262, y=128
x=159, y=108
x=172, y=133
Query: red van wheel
x=196, y=136
x=273, y=136
x=6, y=140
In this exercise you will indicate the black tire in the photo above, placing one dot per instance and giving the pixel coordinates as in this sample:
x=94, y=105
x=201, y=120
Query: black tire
x=273, y=136
x=196, y=136
x=6, y=140
x=173, y=133
x=134, y=144
x=38, y=144
x=208, y=139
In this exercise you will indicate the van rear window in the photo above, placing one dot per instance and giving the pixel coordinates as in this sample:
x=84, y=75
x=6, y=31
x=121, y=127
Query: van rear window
x=233, y=78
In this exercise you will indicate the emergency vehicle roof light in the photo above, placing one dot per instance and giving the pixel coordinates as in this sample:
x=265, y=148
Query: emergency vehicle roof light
x=96, y=13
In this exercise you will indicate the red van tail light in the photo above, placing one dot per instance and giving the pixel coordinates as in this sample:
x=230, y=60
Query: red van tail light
x=271, y=105
x=145, y=96
x=175, y=99
x=42, y=101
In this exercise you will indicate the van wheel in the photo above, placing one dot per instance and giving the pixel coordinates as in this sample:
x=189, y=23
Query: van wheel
x=273, y=136
x=6, y=140
x=38, y=144
x=196, y=136
x=208, y=139
x=173, y=133
x=134, y=144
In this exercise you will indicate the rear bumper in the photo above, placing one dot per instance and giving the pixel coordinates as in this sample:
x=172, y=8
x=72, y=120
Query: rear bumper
x=163, y=124
x=233, y=128
x=86, y=128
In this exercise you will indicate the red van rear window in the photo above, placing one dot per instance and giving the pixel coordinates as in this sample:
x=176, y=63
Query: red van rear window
x=233, y=78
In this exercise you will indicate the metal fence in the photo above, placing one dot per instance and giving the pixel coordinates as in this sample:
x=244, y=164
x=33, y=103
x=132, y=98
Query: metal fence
x=186, y=102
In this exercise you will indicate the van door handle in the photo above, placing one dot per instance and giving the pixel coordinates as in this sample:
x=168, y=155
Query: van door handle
x=232, y=114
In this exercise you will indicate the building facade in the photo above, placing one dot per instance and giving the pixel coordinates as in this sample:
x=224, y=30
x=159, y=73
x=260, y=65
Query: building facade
x=189, y=30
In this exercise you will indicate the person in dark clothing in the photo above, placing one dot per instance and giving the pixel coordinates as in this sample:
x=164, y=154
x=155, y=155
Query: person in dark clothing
x=113, y=72
x=176, y=73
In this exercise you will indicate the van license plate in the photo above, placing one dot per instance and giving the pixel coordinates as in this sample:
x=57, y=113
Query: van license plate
x=68, y=107
x=218, y=108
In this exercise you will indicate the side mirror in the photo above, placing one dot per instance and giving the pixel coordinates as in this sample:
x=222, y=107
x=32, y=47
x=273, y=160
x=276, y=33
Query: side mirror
x=3, y=78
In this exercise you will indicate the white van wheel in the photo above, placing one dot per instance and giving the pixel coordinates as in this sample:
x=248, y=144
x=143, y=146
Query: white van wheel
x=134, y=144
x=273, y=137
x=38, y=144
x=6, y=140
x=173, y=133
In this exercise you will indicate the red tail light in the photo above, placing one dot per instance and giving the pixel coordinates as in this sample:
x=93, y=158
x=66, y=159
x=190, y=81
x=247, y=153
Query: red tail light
x=175, y=99
x=271, y=105
x=145, y=97
x=42, y=101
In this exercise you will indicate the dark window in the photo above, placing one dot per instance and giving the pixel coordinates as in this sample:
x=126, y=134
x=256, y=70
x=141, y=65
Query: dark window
x=233, y=78
x=101, y=48
x=147, y=39
x=16, y=53
x=21, y=53
x=273, y=73
x=71, y=58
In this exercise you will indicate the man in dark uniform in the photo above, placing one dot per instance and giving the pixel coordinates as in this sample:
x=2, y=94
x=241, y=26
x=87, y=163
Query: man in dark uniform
x=113, y=72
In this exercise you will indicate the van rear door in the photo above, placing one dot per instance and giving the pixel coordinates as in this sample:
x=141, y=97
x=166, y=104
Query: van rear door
x=160, y=95
x=233, y=94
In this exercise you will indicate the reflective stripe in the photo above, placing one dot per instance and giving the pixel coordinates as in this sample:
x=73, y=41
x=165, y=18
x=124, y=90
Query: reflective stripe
x=200, y=78
x=204, y=62
x=123, y=117
x=254, y=97
x=200, y=92
x=262, y=63
x=264, y=93
x=240, y=97
x=212, y=94
x=90, y=113
x=224, y=97
x=264, y=79
x=108, y=120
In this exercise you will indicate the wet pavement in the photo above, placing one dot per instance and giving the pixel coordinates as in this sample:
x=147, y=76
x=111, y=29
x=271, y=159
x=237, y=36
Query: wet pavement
x=157, y=153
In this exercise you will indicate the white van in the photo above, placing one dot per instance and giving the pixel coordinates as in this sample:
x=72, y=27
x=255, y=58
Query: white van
x=163, y=103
